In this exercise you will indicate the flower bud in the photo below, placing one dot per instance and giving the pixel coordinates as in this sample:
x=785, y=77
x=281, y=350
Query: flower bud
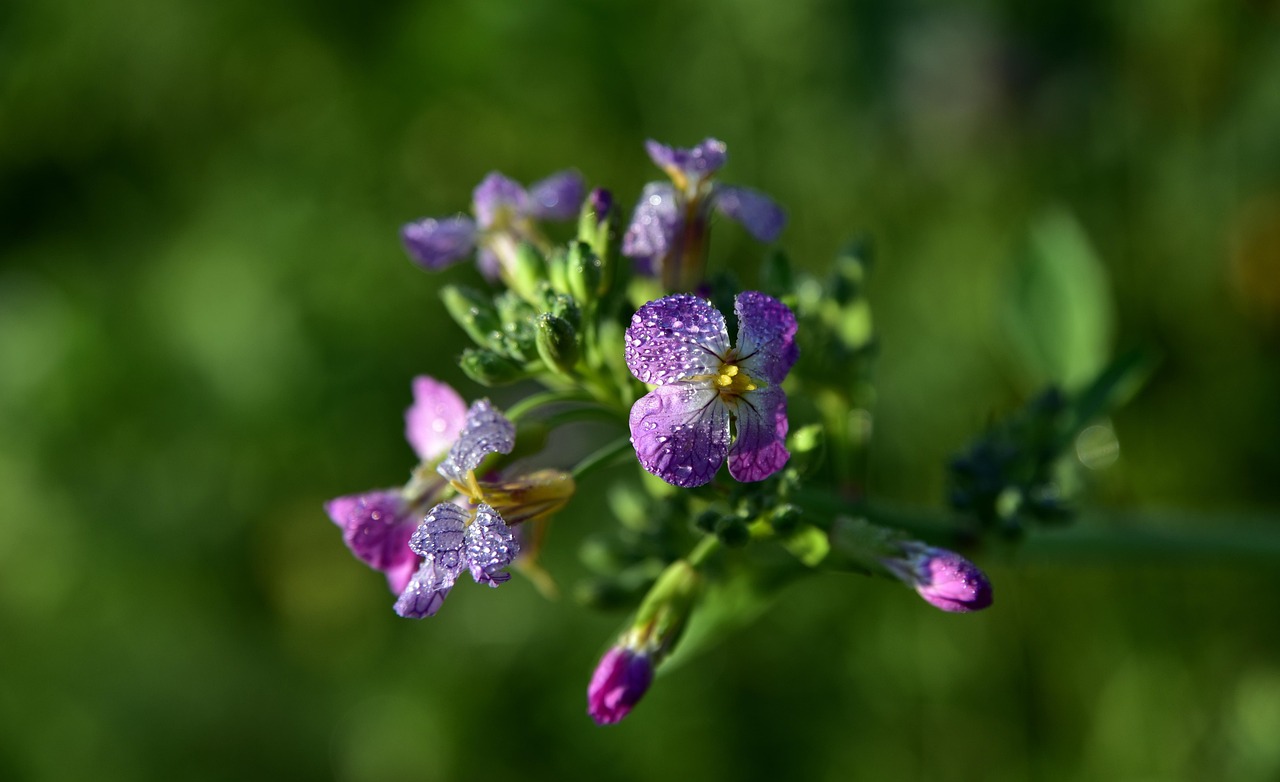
x=943, y=578
x=529, y=270
x=488, y=368
x=557, y=343
x=583, y=272
x=620, y=680
x=473, y=311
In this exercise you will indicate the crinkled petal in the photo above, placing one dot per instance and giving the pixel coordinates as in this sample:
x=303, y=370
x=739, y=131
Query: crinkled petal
x=490, y=547
x=674, y=338
x=681, y=433
x=423, y=596
x=558, y=197
x=376, y=527
x=435, y=244
x=655, y=226
x=485, y=431
x=434, y=420
x=495, y=194
x=753, y=210
x=440, y=538
x=759, y=448
x=766, y=336
x=691, y=165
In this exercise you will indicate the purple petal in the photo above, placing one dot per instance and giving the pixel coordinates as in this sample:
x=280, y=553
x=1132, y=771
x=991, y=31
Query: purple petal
x=620, y=680
x=655, y=226
x=485, y=431
x=693, y=164
x=434, y=420
x=766, y=336
x=601, y=202
x=490, y=547
x=435, y=244
x=423, y=596
x=440, y=539
x=759, y=449
x=496, y=194
x=376, y=528
x=753, y=210
x=674, y=338
x=681, y=433
x=950, y=582
x=558, y=197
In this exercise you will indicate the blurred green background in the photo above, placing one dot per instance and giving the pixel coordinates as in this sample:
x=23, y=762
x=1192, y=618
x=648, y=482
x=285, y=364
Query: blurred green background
x=207, y=328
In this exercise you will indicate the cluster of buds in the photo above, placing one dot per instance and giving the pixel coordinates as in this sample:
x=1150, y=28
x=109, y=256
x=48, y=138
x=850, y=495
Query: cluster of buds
x=626, y=326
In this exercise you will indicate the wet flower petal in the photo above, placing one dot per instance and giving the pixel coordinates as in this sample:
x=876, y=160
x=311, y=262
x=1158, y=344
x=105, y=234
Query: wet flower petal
x=753, y=210
x=434, y=420
x=485, y=431
x=558, y=197
x=435, y=244
x=495, y=194
x=681, y=433
x=376, y=528
x=691, y=165
x=674, y=338
x=655, y=226
x=766, y=336
x=490, y=547
x=620, y=680
x=759, y=447
x=423, y=595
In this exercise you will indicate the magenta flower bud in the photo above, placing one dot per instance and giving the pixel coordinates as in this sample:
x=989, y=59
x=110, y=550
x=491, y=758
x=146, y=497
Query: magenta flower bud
x=619, y=682
x=943, y=578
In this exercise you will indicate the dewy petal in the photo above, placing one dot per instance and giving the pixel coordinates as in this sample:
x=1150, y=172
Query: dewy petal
x=655, y=226
x=490, y=547
x=434, y=420
x=440, y=538
x=681, y=432
x=495, y=194
x=558, y=197
x=435, y=244
x=694, y=164
x=766, y=336
x=753, y=210
x=376, y=528
x=485, y=431
x=674, y=338
x=422, y=596
x=759, y=449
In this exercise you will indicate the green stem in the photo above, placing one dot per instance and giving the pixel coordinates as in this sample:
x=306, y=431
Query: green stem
x=530, y=403
x=601, y=458
x=705, y=548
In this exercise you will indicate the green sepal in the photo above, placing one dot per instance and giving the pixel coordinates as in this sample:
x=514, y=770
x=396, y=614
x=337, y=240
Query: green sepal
x=557, y=343
x=488, y=368
x=474, y=312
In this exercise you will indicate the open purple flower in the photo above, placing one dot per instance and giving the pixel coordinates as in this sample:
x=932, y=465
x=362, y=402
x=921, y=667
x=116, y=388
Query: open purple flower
x=943, y=578
x=377, y=525
x=506, y=214
x=621, y=678
x=668, y=231
x=680, y=430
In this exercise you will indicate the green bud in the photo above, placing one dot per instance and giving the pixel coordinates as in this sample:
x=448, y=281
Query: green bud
x=530, y=270
x=732, y=531
x=583, y=272
x=785, y=518
x=706, y=521
x=665, y=611
x=473, y=311
x=557, y=270
x=489, y=368
x=557, y=343
x=518, y=327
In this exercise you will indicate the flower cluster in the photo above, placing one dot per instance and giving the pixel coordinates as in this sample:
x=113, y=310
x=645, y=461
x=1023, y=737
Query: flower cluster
x=681, y=398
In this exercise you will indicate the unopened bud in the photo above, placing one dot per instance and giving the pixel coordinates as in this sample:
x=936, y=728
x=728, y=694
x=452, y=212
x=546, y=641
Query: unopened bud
x=488, y=368
x=473, y=311
x=943, y=578
x=583, y=272
x=557, y=343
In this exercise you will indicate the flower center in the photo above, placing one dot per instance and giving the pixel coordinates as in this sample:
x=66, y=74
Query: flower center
x=731, y=381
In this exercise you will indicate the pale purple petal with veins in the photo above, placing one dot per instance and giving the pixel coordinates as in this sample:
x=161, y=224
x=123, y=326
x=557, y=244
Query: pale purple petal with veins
x=558, y=197
x=434, y=420
x=423, y=596
x=759, y=445
x=766, y=336
x=753, y=210
x=681, y=432
x=621, y=678
x=376, y=528
x=490, y=547
x=655, y=226
x=674, y=338
x=695, y=163
x=495, y=194
x=485, y=431
x=435, y=244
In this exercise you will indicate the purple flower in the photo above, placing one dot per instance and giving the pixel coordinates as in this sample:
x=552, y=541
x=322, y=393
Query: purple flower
x=943, y=578
x=377, y=525
x=451, y=539
x=680, y=430
x=668, y=230
x=619, y=681
x=505, y=215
